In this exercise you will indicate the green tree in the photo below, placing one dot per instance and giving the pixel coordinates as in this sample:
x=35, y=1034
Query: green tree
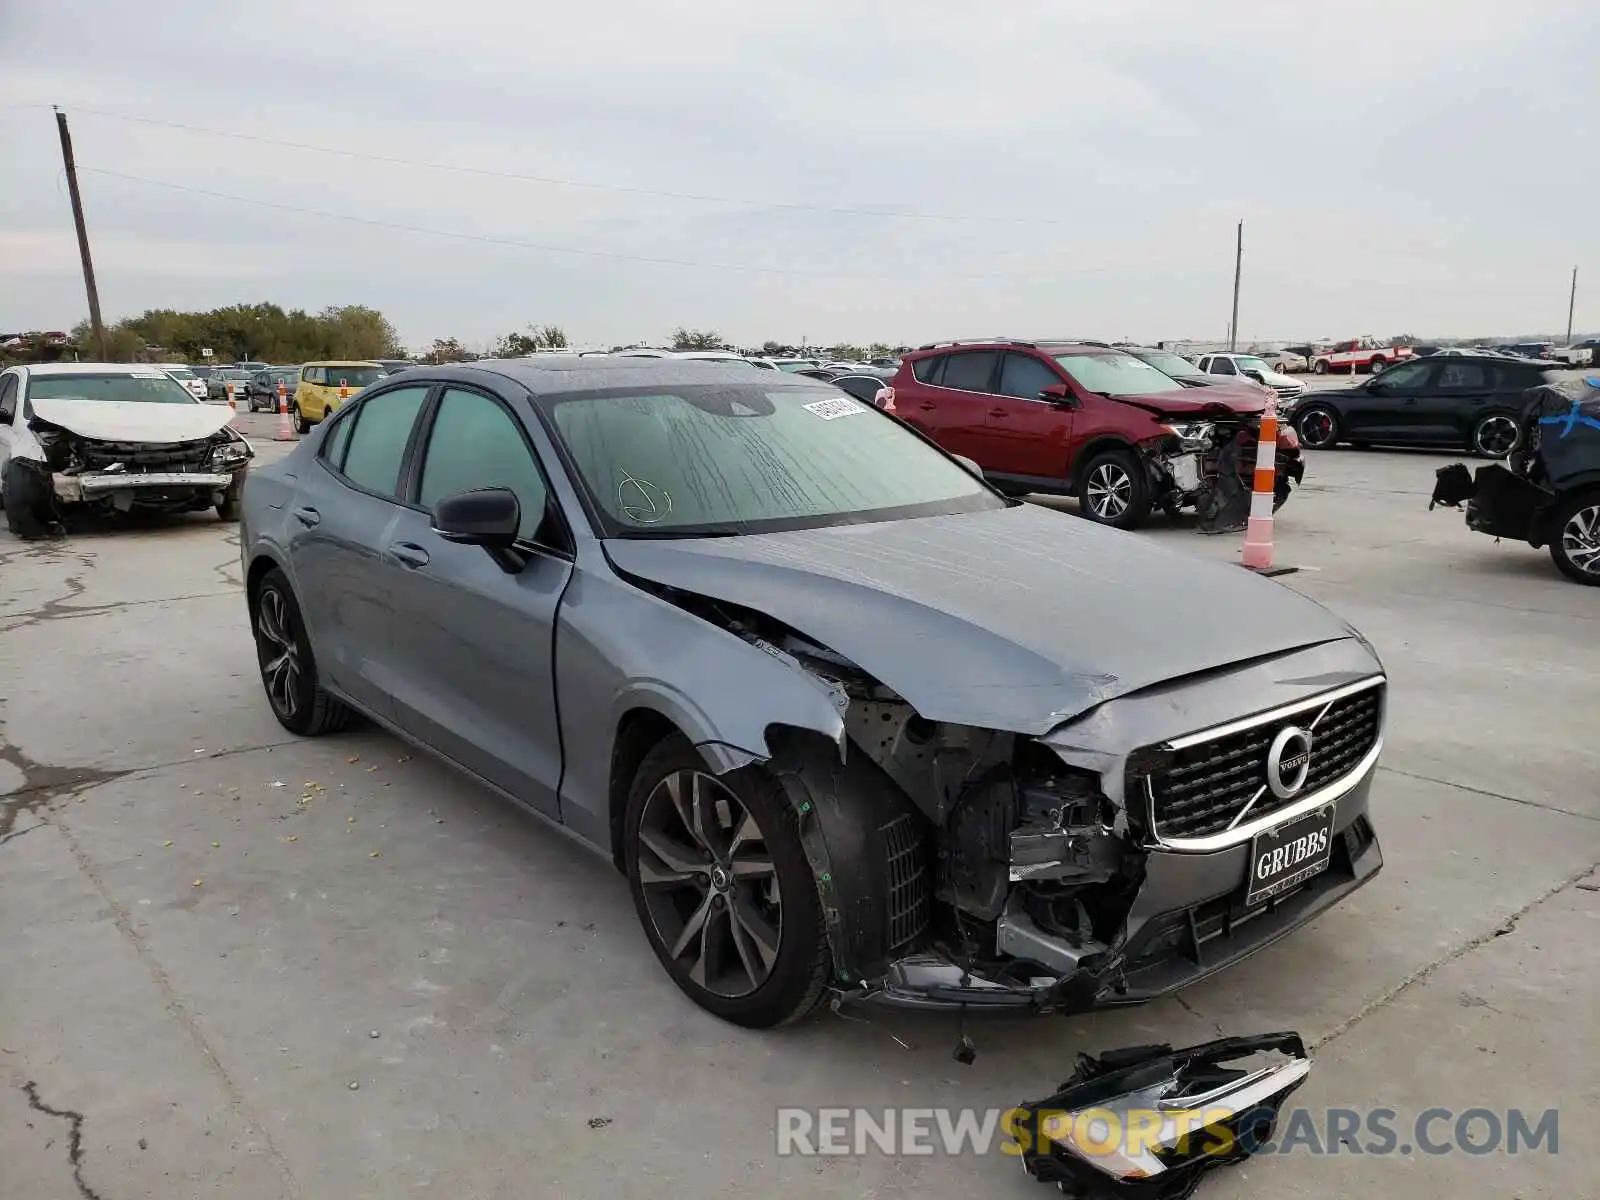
x=446, y=350
x=538, y=337
x=696, y=339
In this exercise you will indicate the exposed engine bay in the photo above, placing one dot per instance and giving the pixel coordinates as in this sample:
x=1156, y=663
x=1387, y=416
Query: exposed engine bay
x=1208, y=465
x=105, y=476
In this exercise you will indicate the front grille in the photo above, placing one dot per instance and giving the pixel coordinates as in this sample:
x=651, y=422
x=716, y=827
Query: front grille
x=908, y=880
x=1201, y=788
x=145, y=456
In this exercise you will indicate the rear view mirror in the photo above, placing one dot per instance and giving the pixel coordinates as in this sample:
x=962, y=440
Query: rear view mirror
x=1056, y=393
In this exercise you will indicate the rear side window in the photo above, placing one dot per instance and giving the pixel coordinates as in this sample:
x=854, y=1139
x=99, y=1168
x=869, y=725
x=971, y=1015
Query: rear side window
x=1461, y=375
x=477, y=444
x=378, y=441
x=927, y=370
x=338, y=438
x=970, y=372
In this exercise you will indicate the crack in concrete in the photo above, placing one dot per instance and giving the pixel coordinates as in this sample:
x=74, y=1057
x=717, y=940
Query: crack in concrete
x=54, y=610
x=1193, y=1012
x=180, y=1011
x=1467, y=787
x=1386, y=998
x=74, y=1137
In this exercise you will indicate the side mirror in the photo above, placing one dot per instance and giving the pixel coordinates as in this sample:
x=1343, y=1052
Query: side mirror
x=969, y=464
x=488, y=517
x=1056, y=393
x=1257, y=376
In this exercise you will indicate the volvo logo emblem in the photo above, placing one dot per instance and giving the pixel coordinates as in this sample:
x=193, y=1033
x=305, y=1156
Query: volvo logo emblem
x=1289, y=761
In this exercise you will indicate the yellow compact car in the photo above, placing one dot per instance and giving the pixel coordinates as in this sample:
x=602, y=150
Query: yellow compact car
x=318, y=392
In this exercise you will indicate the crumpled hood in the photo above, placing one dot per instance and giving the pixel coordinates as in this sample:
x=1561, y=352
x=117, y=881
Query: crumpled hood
x=130, y=421
x=1016, y=619
x=1246, y=400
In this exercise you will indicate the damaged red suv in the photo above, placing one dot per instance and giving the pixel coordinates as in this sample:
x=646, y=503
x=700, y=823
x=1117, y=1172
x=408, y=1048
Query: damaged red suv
x=1086, y=420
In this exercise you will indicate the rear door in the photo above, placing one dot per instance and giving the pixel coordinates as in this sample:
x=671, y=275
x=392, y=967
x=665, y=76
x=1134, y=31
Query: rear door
x=473, y=668
x=10, y=409
x=1462, y=388
x=954, y=410
x=341, y=516
x=1026, y=436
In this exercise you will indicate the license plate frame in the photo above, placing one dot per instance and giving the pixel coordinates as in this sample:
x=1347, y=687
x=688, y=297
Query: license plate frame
x=1289, y=838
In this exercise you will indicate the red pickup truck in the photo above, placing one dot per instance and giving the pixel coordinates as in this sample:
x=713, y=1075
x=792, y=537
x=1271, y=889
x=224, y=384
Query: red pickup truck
x=1358, y=354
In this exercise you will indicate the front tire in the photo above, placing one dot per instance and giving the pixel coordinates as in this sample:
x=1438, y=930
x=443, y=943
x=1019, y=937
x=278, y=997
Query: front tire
x=1494, y=435
x=288, y=669
x=1575, y=539
x=1114, y=489
x=1318, y=427
x=1320, y=367
x=301, y=425
x=723, y=889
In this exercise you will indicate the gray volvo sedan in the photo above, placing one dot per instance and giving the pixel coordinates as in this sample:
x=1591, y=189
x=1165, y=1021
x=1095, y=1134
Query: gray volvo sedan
x=851, y=723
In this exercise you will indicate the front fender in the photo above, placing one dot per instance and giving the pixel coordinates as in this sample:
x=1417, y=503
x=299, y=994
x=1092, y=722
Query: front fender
x=620, y=649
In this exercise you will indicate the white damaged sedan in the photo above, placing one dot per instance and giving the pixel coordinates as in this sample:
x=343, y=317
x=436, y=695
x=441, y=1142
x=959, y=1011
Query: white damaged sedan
x=111, y=437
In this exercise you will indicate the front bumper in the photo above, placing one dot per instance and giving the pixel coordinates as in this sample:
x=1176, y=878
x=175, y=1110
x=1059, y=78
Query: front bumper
x=1187, y=922
x=71, y=489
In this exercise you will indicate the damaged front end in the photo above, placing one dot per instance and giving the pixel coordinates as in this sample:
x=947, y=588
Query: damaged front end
x=105, y=476
x=1209, y=465
x=1146, y=1122
x=1109, y=861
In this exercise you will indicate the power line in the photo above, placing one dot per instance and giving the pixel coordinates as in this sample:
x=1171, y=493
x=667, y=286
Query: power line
x=393, y=160
x=573, y=250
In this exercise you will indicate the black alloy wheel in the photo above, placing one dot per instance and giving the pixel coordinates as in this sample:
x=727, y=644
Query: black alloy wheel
x=1318, y=427
x=1494, y=436
x=288, y=670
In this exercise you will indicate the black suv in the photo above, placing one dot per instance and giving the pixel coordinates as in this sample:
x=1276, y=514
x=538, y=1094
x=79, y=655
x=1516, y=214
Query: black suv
x=1458, y=401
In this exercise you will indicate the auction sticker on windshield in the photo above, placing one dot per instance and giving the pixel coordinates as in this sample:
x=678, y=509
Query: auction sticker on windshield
x=843, y=406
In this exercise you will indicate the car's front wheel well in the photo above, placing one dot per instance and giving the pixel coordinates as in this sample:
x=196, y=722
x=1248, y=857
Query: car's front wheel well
x=639, y=732
x=259, y=569
x=1095, y=446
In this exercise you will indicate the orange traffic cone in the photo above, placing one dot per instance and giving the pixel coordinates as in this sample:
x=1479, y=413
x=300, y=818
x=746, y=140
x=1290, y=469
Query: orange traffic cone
x=285, y=431
x=1258, y=532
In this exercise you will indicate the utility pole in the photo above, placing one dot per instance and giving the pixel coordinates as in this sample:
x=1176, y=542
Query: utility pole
x=1238, y=263
x=83, y=233
x=1572, y=300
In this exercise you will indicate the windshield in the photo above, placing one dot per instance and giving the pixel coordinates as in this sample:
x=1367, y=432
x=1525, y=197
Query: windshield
x=179, y=372
x=234, y=373
x=1168, y=363
x=1249, y=362
x=1117, y=374
x=152, y=387
x=743, y=458
x=795, y=364
x=355, y=377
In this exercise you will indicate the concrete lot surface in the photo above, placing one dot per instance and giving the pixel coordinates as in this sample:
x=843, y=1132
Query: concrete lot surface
x=237, y=964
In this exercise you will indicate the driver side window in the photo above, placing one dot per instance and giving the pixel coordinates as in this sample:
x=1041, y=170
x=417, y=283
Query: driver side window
x=1407, y=377
x=8, y=399
x=1223, y=366
x=475, y=443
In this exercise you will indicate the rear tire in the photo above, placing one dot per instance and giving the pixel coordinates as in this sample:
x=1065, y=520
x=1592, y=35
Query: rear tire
x=288, y=669
x=1320, y=367
x=1378, y=365
x=24, y=501
x=723, y=908
x=1575, y=539
x=301, y=425
x=1494, y=435
x=1114, y=489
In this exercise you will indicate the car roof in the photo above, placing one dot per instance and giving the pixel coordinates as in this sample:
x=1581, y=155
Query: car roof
x=342, y=362
x=555, y=376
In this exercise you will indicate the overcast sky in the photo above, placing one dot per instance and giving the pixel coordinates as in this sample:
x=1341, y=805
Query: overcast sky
x=1400, y=166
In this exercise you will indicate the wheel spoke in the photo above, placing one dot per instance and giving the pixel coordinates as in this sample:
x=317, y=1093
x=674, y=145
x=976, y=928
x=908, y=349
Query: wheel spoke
x=747, y=831
x=706, y=828
x=754, y=926
x=751, y=867
x=749, y=953
x=694, y=928
x=676, y=861
x=707, y=967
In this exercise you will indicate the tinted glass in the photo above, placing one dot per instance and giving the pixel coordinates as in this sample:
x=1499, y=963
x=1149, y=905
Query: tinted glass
x=338, y=438
x=378, y=441
x=969, y=372
x=743, y=457
x=1025, y=376
x=1464, y=375
x=312, y=374
x=477, y=444
x=144, y=387
x=926, y=370
x=1408, y=376
x=1167, y=363
x=1117, y=374
x=860, y=386
x=8, y=397
x=1222, y=366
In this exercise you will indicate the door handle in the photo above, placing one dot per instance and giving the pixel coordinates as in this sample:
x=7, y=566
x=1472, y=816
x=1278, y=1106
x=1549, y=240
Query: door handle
x=409, y=554
x=927, y=406
x=307, y=516
x=997, y=412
